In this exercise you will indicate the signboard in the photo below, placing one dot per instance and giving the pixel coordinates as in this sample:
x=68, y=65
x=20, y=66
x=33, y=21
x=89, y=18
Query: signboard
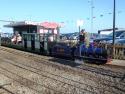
x=79, y=23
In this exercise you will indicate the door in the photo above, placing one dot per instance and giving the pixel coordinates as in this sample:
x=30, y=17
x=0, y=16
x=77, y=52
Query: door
x=25, y=41
x=33, y=42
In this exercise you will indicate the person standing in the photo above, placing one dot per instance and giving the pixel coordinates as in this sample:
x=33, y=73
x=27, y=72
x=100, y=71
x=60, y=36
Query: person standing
x=87, y=39
x=82, y=36
x=14, y=39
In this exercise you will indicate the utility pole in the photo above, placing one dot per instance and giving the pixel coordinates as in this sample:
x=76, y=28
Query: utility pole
x=114, y=23
x=0, y=36
x=114, y=5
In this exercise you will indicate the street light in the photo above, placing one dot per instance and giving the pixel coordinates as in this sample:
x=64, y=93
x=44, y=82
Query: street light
x=79, y=24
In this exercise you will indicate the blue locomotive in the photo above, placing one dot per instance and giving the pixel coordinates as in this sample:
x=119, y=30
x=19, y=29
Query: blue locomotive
x=91, y=54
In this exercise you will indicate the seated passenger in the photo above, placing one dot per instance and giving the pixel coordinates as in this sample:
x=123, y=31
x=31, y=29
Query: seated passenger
x=90, y=50
x=19, y=39
x=83, y=49
x=14, y=39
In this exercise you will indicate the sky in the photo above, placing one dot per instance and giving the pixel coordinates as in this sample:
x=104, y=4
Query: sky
x=64, y=11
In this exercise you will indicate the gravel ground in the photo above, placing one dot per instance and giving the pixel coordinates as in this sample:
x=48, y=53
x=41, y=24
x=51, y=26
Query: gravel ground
x=33, y=74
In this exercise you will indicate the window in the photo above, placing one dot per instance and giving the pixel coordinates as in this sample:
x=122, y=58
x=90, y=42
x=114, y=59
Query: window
x=37, y=37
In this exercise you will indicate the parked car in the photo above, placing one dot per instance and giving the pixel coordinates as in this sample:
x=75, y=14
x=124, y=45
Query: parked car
x=74, y=37
x=119, y=34
x=121, y=41
x=117, y=41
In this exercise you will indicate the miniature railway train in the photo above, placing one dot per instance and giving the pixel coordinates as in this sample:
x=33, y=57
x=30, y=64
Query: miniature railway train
x=44, y=38
x=92, y=54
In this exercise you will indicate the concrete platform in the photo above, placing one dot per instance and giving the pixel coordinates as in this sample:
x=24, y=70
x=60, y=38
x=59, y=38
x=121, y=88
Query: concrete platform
x=117, y=62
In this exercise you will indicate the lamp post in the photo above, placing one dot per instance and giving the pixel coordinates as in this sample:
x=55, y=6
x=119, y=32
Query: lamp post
x=79, y=24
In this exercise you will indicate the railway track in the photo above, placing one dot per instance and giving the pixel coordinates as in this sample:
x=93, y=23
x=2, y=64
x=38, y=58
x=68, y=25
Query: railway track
x=51, y=78
x=22, y=81
x=5, y=90
x=96, y=69
x=19, y=67
x=60, y=79
x=38, y=71
x=43, y=75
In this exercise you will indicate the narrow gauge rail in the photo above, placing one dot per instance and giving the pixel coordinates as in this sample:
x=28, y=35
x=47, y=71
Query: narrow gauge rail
x=15, y=77
x=43, y=75
x=60, y=78
x=53, y=77
x=96, y=69
x=112, y=85
x=6, y=91
x=85, y=67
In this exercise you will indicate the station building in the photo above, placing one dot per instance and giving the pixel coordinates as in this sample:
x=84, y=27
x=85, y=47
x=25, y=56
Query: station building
x=34, y=33
x=24, y=27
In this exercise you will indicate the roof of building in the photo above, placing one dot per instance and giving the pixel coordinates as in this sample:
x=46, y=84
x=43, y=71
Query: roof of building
x=13, y=24
x=52, y=25
x=49, y=24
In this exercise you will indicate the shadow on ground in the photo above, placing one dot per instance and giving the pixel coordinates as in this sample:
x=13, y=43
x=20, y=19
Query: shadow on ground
x=64, y=62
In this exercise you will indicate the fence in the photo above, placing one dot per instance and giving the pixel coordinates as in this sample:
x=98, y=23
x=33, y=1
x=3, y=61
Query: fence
x=117, y=51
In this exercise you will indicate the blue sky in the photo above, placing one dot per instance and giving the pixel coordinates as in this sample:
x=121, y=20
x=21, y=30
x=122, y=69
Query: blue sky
x=67, y=11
